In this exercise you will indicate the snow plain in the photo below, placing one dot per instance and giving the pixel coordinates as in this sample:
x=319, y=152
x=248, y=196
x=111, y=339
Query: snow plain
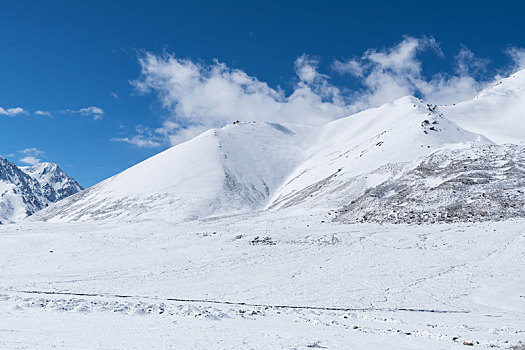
x=267, y=280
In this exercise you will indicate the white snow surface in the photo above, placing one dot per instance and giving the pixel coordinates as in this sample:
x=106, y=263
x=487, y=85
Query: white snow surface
x=261, y=281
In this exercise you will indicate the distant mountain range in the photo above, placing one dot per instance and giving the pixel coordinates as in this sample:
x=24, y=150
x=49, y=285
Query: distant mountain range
x=26, y=190
x=406, y=161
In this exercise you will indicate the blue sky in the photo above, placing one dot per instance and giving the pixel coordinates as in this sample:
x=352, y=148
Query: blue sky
x=97, y=86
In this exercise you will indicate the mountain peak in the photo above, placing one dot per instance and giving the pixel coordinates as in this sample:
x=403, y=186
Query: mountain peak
x=26, y=190
x=50, y=173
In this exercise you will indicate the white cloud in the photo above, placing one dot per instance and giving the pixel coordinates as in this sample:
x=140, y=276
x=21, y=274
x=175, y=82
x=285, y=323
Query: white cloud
x=144, y=137
x=352, y=67
x=90, y=111
x=467, y=62
x=95, y=112
x=395, y=72
x=137, y=140
x=43, y=113
x=517, y=54
x=33, y=151
x=114, y=95
x=12, y=111
x=199, y=96
x=30, y=160
x=31, y=155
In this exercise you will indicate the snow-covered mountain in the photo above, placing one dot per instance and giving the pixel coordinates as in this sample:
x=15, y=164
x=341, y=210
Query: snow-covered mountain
x=26, y=190
x=396, y=163
x=62, y=184
x=251, y=166
x=360, y=152
x=236, y=168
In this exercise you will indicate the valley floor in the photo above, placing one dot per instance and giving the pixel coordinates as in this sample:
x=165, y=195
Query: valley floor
x=262, y=282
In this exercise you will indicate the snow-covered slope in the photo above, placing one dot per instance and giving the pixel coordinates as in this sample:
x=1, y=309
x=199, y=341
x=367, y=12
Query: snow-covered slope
x=24, y=191
x=498, y=112
x=363, y=150
x=222, y=171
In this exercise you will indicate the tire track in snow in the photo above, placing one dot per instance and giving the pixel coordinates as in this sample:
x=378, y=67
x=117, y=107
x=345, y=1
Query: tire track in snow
x=223, y=302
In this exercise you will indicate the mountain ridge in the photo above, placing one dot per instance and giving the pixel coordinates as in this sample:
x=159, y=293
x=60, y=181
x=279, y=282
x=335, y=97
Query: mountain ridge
x=251, y=166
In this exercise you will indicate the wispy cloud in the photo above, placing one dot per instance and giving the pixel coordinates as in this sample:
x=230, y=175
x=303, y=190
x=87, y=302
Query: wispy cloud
x=137, y=140
x=12, y=111
x=32, y=150
x=95, y=112
x=518, y=56
x=144, y=138
x=31, y=156
x=43, y=113
x=30, y=160
x=397, y=71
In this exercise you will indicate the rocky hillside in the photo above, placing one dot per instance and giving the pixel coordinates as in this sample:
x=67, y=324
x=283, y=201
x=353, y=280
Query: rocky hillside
x=479, y=183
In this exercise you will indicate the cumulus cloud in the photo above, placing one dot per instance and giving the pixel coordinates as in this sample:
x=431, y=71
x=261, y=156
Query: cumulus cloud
x=12, y=111
x=395, y=72
x=203, y=96
x=200, y=96
x=31, y=156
